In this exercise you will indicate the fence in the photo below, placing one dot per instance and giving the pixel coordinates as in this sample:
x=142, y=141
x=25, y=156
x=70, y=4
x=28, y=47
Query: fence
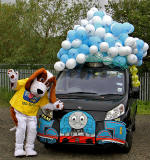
x=23, y=73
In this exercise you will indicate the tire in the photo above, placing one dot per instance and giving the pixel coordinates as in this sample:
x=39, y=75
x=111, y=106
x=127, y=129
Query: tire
x=127, y=147
x=46, y=145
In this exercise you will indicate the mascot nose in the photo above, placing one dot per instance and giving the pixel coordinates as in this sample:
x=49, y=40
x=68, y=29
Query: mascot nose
x=39, y=91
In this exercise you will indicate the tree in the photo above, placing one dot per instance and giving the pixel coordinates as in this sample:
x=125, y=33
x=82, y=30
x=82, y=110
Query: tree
x=137, y=13
x=32, y=31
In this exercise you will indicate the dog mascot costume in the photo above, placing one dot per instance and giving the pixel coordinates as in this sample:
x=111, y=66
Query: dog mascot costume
x=32, y=93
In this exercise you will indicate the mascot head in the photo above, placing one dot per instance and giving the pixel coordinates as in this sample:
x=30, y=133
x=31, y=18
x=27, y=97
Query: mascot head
x=40, y=82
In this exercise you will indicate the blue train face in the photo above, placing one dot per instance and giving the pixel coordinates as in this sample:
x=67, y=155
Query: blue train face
x=80, y=127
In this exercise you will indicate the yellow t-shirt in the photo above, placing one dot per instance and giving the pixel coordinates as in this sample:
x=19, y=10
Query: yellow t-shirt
x=22, y=103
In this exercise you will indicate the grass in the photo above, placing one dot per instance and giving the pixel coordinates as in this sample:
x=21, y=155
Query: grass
x=5, y=96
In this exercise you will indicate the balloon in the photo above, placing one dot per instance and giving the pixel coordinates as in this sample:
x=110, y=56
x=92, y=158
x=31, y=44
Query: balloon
x=136, y=83
x=83, y=49
x=128, y=50
x=107, y=60
x=107, y=29
x=81, y=58
x=81, y=34
x=97, y=25
x=139, y=44
x=66, y=44
x=64, y=58
x=113, y=52
x=140, y=62
x=145, y=54
x=94, y=40
x=108, y=35
x=71, y=35
x=111, y=41
x=140, y=55
x=90, y=29
x=133, y=69
x=80, y=28
x=104, y=54
x=145, y=47
x=90, y=14
x=127, y=28
x=107, y=20
x=135, y=77
x=123, y=37
x=76, y=43
x=76, y=26
x=118, y=44
x=104, y=46
x=119, y=61
x=94, y=9
x=59, y=66
x=132, y=59
x=129, y=41
x=84, y=22
x=116, y=29
x=93, y=49
x=96, y=19
x=99, y=13
x=100, y=32
x=135, y=51
x=71, y=63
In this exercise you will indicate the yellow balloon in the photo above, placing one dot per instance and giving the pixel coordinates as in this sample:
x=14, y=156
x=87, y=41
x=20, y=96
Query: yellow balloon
x=135, y=77
x=136, y=83
x=133, y=70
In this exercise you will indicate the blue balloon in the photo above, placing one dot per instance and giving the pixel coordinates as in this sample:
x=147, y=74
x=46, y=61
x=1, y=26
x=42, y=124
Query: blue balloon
x=94, y=40
x=128, y=28
x=99, y=13
x=64, y=58
x=61, y=52
x=71, y=35
x=83, y=49
x=72, y=52
x=119, y=61
x=140, y=62
x=117, y=29
x=139, y=44
x=104, y=54
x=81, y=34
x=86, y=41
x=140, y=55
x=111, y=41
x=108, y=29
x=123, y=37
x=97, y=25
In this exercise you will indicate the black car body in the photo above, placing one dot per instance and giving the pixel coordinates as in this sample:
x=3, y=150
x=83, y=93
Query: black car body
x=99, y=107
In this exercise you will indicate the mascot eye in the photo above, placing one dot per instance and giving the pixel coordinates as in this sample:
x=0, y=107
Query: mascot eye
x=41, y=79
x=82, y=118
x=74, y=118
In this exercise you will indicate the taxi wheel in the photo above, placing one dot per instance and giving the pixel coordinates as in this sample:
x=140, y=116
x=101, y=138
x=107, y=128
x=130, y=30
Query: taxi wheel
x=126, y=148
x=46, y=145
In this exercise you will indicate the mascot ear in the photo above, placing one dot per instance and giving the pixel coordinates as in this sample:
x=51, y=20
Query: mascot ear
x=33, y=76
x=52, y=97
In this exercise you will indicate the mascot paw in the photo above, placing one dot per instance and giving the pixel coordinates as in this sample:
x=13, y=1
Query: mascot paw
x=19, y=153
x=31, y=152
x=59, y=105
x=12, y=75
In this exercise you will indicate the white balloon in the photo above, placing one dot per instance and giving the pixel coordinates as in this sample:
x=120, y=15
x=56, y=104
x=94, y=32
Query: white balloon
x=99, y=55
x=107, y=20
x=107, y=60
x=84, y=22
x=104, y=46
x=96, y=19
x=71, y=63
x=90, y=29
x=145, y=54
x=145, y=47
x=130, y=41
x=81, y=58
x=100, y=32
x=59, y=66
x=81, y=28
x=76, y=26
x=128, y=50
x=108, y=35
x=132, y=59
x=76, y=43
x=93, y=49
x=118, y=44
x=66, y=44
x=113, y=51
x=90, y=14
x=122, y=51
x=135, y=51
x=94, y=9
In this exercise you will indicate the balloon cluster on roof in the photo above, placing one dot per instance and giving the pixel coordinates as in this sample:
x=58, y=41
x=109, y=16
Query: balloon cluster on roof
x=99, y=38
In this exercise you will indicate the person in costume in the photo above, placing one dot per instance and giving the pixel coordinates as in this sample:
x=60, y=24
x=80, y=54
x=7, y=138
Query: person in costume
x=31, y=93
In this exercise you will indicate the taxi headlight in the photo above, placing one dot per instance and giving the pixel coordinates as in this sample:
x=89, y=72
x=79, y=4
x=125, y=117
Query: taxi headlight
x=48, y=113
x=115, y=113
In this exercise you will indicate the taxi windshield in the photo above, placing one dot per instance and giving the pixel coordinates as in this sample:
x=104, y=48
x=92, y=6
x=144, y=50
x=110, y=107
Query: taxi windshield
x=91, y=81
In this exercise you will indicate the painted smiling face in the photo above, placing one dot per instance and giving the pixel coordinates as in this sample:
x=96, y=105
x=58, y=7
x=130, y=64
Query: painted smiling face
x=78, y=120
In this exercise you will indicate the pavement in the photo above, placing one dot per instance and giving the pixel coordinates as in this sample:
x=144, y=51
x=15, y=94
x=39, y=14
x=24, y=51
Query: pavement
x=140, y=147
